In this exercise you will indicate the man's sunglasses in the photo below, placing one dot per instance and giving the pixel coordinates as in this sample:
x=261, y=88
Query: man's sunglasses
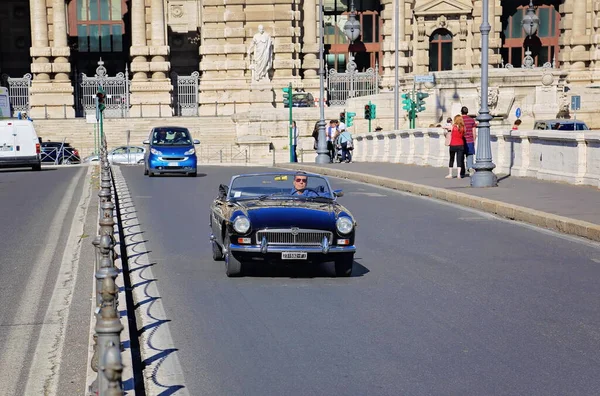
x=300, y=180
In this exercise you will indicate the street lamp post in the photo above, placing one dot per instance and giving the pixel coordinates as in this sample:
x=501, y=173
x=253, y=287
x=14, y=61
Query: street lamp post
x=484, y=177
x=322, y=152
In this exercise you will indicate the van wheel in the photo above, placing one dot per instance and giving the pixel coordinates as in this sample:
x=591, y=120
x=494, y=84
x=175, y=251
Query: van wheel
x=37, y=167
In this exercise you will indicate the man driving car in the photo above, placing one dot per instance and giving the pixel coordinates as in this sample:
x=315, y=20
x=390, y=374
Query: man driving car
x=300, y=183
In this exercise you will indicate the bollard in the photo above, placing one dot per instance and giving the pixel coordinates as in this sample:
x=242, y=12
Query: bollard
x=97, y=256
x=108, y=327
x=106, y=268
x=112, y=368
x=107, y=222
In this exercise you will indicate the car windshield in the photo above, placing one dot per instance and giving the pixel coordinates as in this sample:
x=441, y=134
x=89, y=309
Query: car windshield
x=278, y=186
x=171, y=137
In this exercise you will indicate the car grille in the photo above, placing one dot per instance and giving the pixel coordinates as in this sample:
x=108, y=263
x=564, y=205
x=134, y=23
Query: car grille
x=293, y=237
x=173, y=158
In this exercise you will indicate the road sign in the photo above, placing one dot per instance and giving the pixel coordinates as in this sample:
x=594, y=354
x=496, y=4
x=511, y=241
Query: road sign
x=425, y=79
x=575, y=102
x=518, y=112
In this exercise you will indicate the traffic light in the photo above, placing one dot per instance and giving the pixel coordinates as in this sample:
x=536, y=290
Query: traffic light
x=367, y=112
x=407, y=102
x=342, y=117
x=350, y=117
x=287, y=95
x=101, y=97
x=420, y=101
x=373, y=115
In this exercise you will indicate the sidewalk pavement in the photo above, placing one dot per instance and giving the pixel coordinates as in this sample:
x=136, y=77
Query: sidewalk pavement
x=562, y=207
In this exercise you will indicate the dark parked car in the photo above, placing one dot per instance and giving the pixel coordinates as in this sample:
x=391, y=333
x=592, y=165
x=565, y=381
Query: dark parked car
x=262, y=218
x=300, y=99
x=59, y=153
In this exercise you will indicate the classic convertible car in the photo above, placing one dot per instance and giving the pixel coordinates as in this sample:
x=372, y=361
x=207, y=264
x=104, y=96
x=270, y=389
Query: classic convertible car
x=289, y=217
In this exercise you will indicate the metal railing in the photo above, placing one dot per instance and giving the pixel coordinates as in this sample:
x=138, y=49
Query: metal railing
x=223, y=154
x=59, y=155
x=106, y=360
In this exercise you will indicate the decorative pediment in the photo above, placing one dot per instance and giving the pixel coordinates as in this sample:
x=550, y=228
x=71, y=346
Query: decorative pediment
x=444, y=7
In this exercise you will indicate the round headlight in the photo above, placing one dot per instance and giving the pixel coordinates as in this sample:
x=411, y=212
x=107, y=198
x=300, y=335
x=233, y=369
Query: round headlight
x=344, y=225
x=241, y=224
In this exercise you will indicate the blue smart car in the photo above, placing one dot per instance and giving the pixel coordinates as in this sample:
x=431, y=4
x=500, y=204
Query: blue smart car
x=171, y=150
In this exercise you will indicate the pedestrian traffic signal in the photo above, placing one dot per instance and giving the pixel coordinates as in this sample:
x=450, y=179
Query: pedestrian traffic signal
x=373, y=115
x=342, y=117
x=350, y=118
x=407, y=102
x=420, y=101
x=367, y=112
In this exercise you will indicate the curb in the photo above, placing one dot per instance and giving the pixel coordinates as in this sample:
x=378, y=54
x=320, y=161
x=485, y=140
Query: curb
x=537, y=218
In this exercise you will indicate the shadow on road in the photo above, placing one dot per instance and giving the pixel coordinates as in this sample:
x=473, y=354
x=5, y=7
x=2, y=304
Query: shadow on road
x=299, y=271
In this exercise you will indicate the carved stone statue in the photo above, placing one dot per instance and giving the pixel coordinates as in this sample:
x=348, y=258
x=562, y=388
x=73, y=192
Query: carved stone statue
x=262, y=60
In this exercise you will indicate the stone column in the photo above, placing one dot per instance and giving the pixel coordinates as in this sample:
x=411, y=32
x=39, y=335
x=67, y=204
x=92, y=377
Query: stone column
x=159, y=51
x=60, y=49
x=578, y=35
x=310, y=42
x=139, y=46
x=40, y=51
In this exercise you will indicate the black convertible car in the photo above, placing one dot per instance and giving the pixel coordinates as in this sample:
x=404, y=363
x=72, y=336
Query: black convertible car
x=281, y=217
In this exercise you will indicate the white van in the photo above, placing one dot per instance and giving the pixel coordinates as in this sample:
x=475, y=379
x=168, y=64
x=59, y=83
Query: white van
x=19, y=145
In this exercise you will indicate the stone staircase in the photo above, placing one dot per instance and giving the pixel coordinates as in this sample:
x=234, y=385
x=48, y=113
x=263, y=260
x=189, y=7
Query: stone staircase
x=217, y=135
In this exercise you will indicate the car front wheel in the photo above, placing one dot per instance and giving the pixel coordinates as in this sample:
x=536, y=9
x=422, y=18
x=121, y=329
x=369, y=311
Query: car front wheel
x=343, y=265
x=217, y=253
x=233, y=266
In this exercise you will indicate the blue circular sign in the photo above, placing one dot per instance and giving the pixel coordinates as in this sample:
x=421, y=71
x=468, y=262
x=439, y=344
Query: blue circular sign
x=518, y=112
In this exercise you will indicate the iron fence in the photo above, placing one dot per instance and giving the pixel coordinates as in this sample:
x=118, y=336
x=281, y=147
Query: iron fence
x=18, y=90
x=351, y=84
x=223, y=154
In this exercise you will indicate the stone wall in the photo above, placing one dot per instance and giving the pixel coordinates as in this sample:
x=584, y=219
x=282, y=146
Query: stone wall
x=572, y=157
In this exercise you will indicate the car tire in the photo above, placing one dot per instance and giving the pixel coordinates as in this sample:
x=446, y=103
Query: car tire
x=343, y=265
x=150, y=174
x=233, y=266
x=217, y=253
x=37, y=167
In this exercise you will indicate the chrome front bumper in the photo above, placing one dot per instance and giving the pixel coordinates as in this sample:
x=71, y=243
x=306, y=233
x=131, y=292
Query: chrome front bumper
x=280, y=249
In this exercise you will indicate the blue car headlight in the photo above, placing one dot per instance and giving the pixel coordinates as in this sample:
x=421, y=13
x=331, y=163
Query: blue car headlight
x=155, y=151
x=241, y=224
x=190, y=151
x=344, y=225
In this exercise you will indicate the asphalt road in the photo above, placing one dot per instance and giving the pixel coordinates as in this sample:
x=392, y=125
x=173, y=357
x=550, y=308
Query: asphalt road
x=40, y=231
x=444, y=301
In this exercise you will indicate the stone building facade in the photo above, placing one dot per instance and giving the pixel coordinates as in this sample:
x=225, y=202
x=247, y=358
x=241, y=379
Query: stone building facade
x=154, y=41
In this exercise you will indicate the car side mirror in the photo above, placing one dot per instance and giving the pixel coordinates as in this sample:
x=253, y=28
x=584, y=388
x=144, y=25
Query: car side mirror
x=146, y=142
x=196, y=141
x=338, y=193
x=223, y=191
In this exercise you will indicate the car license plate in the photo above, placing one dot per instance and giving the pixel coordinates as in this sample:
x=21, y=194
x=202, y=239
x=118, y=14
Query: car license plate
x=6, y=148
x=294, y=255
x=173, y=164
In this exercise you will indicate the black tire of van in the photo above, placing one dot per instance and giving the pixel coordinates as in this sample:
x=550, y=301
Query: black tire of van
x=37, y=167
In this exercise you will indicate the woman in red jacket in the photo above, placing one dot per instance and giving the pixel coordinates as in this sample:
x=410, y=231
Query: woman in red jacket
x=457, y=147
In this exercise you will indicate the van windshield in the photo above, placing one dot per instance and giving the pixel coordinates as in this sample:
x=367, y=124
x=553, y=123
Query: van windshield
x=171, y=137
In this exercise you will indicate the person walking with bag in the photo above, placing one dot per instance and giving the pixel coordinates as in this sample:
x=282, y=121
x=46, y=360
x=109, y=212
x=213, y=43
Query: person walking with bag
x=457, y=147
x=346, y=142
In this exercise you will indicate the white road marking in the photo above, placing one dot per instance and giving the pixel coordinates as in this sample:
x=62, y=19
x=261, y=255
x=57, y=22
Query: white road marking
x=596, y=260
x=44, y=370
x=18, y=338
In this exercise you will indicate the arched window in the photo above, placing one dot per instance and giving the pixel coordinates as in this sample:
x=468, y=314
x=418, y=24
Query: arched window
x=440, y=50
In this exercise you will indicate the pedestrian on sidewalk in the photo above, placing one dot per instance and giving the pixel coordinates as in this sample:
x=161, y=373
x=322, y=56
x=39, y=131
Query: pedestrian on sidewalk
x=470, y=137
x=295, y=135
x=346, y=142
x=331, y=134
x=457, y=148
x=516, y=125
